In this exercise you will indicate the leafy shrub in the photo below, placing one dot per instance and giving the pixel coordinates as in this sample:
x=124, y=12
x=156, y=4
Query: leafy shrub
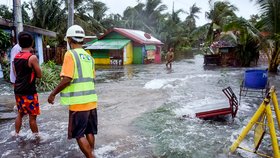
x=50, y=77
x=4, y=40
x=6, y=70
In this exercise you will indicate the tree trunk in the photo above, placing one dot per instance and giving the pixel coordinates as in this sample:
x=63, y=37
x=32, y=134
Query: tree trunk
x=273, y=66
x=274, y=63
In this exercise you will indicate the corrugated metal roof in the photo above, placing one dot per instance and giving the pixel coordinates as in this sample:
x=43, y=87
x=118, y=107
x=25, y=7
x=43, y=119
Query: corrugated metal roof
x=114, y=44
x=136, y=36
x=89, y=43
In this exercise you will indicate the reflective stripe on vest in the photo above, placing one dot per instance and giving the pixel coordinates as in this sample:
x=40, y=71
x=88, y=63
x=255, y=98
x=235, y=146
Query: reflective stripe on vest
x=81, y=89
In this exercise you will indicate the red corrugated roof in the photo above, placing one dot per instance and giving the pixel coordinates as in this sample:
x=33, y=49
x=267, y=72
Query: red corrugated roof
x=135, y=35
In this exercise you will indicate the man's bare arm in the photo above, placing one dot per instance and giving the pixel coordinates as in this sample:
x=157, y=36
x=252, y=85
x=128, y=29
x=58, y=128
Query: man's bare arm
x=34, y=63
x=63, y=84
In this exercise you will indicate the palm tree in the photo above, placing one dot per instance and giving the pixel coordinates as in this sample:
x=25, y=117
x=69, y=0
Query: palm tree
x=146, y=17
x=199, y=35
x=91, y=16
x=132, y=16
x=113, y=20
x=192, y=16
x=153, y=15
x=248, y=39
x=190, y=24
x=97, y=9
x=48, y=14
x=218, y=14
x=5, y=12
x=173, y=32
x=270, y=23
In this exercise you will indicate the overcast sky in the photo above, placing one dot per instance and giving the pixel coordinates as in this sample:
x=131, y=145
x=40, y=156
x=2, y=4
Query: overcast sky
x=246, y=7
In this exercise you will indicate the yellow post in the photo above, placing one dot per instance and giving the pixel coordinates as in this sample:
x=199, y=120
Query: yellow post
x=272, y=131
x=251, y=123
x=276, y=107
x=264, y=108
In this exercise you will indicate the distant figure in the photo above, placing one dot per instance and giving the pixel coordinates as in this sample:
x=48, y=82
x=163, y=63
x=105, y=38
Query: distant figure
x=26, y=70
x=16, y=49
x=77, y=91
x=169, y=58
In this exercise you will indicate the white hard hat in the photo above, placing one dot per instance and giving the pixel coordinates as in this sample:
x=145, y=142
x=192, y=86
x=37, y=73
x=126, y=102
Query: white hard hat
x=76, y=32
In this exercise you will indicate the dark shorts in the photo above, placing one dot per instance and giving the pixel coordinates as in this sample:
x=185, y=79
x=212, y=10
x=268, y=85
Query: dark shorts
x=28, y=104
x=82, y=123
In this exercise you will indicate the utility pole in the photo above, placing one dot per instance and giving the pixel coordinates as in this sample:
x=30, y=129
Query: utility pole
x=17, y=17
x=70, y=13
x=173, y=13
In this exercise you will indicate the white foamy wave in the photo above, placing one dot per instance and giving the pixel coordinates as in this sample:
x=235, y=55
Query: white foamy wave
x=185, y=111
x=7, y=115
x=167, y=83
x=200, y=76
x=43, y=136
x=6, y=153
x=28, y=135
x=103, y=150
x=73, y=147
x=199, y=105
x=244, y=110
x=14, y=134
x=158, y=83
x=244, y=143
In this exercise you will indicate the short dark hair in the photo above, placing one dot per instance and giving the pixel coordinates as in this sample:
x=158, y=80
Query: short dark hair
x=25, y=39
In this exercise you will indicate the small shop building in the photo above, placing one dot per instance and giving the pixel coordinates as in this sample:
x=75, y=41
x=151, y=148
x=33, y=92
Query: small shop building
x=121, y=46
x=37, y=33
x=221, y=54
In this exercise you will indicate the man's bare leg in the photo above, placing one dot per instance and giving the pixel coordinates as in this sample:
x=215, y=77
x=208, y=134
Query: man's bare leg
x=85, y=147
x=18, y=122
x=91, y=140
x=33, y=123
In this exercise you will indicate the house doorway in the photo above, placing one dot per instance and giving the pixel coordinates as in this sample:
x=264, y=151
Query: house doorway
x=116, y=57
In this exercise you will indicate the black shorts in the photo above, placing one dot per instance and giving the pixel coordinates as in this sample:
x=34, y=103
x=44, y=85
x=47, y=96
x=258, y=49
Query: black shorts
x=81, y=123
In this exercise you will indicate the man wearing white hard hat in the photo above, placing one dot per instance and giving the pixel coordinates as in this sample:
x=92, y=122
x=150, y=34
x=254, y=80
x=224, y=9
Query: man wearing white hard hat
x=77, y=90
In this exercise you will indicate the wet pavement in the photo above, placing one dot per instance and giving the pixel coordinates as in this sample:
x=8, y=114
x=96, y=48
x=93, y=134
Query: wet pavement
x=140, y=115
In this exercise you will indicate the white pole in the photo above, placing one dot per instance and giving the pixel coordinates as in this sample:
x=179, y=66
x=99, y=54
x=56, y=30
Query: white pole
x=17, y=17
x=70, y=13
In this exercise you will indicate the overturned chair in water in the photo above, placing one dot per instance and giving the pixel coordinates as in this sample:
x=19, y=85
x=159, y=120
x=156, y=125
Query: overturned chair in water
x=220, y=109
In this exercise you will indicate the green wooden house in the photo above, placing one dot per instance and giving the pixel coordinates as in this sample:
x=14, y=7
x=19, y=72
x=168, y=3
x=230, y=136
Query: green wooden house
x=121, y=46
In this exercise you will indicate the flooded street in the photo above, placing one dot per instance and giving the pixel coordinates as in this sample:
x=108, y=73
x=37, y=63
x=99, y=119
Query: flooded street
x=140, y=115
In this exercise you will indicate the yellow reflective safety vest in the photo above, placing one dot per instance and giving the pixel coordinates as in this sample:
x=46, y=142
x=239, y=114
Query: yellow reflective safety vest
x=81, y=89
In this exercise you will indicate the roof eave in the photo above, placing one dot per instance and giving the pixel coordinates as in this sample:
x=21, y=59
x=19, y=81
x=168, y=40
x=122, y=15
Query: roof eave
x=132, y=37
x=155, y=43
x=39, y=31
x=8, y=24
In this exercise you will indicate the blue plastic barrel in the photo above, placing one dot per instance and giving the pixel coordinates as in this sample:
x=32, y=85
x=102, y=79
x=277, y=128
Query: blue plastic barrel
x=256, y=79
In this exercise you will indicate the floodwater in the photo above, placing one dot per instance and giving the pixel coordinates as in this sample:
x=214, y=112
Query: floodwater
x=140, y=115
